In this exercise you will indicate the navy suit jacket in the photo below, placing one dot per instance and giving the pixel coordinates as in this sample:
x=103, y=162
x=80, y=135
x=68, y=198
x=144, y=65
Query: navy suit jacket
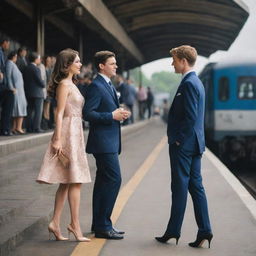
x=3, y=82
x=33, y=83
x=186, y=115
x=104, y=132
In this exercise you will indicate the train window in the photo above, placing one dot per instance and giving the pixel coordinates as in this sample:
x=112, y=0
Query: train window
x=223, y=89
x=247, y=87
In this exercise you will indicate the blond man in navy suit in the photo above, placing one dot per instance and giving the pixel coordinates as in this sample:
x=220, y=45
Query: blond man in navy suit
x=186, y=145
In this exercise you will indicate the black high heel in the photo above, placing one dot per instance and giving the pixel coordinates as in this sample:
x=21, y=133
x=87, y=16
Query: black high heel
x=166, y=237
x=200, y=240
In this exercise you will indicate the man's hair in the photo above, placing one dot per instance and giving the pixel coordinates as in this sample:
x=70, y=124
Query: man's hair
x=185, y=52
x=4, y=39
x=101, y=58
x=21, y=49
x=33, y=56
x=11, y=55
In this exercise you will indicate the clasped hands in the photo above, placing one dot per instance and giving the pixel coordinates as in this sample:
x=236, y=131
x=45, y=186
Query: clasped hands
x=121, y=114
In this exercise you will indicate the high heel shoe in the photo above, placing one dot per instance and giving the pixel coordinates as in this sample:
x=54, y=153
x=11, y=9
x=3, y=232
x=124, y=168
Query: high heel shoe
x=200, y=240
x=166, y=237
x=58, y=237
x=79, y=239
x=18, y=132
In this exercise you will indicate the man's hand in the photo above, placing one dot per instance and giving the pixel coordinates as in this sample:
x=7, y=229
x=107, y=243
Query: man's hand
x=126, y=114
x=1, y=76
x=118, y=115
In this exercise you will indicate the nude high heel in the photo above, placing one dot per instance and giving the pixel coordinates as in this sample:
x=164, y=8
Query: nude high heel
x=79, y=239
x=57, y=236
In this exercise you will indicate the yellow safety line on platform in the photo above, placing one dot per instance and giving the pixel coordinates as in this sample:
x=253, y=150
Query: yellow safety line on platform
x=94, y=247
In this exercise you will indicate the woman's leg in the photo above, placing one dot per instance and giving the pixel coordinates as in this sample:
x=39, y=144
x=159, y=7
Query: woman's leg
x=60, y=199
x=14, y=127
x=19, y=124
x=74, y=204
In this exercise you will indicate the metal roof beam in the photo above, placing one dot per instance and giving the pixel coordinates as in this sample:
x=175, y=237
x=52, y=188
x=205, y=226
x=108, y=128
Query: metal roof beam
x=27, y=9
x=107, y=20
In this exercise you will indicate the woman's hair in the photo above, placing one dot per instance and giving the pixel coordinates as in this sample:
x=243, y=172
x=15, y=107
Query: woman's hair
x=63, y=60
x=11, y=55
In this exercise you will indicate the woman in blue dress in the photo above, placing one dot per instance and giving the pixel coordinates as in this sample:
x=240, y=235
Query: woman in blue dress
x=15, y=81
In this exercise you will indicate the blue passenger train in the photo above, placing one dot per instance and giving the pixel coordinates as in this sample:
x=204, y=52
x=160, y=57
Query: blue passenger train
x=230, y=113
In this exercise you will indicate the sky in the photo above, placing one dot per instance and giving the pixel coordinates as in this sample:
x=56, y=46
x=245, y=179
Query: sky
x=245, y=44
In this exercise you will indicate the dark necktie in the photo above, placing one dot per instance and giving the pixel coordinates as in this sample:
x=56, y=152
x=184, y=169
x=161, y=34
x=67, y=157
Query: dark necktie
x=112, y=87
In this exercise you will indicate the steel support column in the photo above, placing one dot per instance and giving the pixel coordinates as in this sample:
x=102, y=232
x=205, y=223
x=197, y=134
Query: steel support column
x=81, y=44
x=40, y=38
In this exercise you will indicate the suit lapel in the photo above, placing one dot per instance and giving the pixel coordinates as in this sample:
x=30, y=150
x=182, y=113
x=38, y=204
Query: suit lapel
x=108, y=89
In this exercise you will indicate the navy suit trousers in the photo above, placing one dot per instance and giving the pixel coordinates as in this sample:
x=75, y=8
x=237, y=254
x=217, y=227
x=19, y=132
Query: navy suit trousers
x=106, y=188
x=35, y=111
x=7, y=103
x=186, y=176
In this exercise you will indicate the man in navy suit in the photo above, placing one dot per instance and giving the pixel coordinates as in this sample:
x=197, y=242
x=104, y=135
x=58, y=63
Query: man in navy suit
x=104, y=142
x=186, y=145
x=34, y=90
x=6, y=93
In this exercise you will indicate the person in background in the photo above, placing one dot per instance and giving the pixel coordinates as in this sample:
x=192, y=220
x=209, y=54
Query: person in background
x=129, y=97
x=165, y=110
x=21, y=60
x=6, y=92
x=83, y=82
x=34, y=91
x=50, y=63
x=46, y=123
x=142, y=99
x=150, y=101
x=120, y=88
x=15, y=81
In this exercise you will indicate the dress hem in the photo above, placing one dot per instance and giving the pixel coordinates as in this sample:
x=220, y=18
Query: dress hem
x=59, y=182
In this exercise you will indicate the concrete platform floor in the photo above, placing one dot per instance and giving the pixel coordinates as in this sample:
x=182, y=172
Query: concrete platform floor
x=144, y=205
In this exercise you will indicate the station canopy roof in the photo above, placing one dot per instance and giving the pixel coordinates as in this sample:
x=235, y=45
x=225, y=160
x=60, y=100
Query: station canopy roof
x=138, y=30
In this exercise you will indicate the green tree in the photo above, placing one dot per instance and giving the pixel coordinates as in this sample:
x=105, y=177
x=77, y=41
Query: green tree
x=163, y=81
x=135, y=76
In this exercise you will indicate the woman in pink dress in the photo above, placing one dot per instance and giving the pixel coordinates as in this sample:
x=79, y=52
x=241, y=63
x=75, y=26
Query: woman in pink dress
x=65, y=160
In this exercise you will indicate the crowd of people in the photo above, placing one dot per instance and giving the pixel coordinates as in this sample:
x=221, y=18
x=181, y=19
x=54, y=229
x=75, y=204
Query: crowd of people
x=24, y=104
x=23, y=83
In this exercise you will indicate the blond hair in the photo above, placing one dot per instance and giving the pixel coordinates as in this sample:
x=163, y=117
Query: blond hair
x=185, y=52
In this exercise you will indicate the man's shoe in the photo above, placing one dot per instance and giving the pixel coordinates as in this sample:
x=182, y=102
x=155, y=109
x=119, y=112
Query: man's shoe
x=38, y=131
x=108, y=235
x=118, y=231
x=7, y=133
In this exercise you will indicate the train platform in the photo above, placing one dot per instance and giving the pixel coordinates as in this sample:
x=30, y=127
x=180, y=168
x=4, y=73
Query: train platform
x=142, y=208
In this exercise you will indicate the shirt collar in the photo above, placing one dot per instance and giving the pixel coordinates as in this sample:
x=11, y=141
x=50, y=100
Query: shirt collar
x=191, y=70
x=107, y=79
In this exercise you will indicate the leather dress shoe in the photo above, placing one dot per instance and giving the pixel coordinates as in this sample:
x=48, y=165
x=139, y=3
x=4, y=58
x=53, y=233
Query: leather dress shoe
x=7, y=133
x=118, y=231
x=108, y=235
x=38, y=131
